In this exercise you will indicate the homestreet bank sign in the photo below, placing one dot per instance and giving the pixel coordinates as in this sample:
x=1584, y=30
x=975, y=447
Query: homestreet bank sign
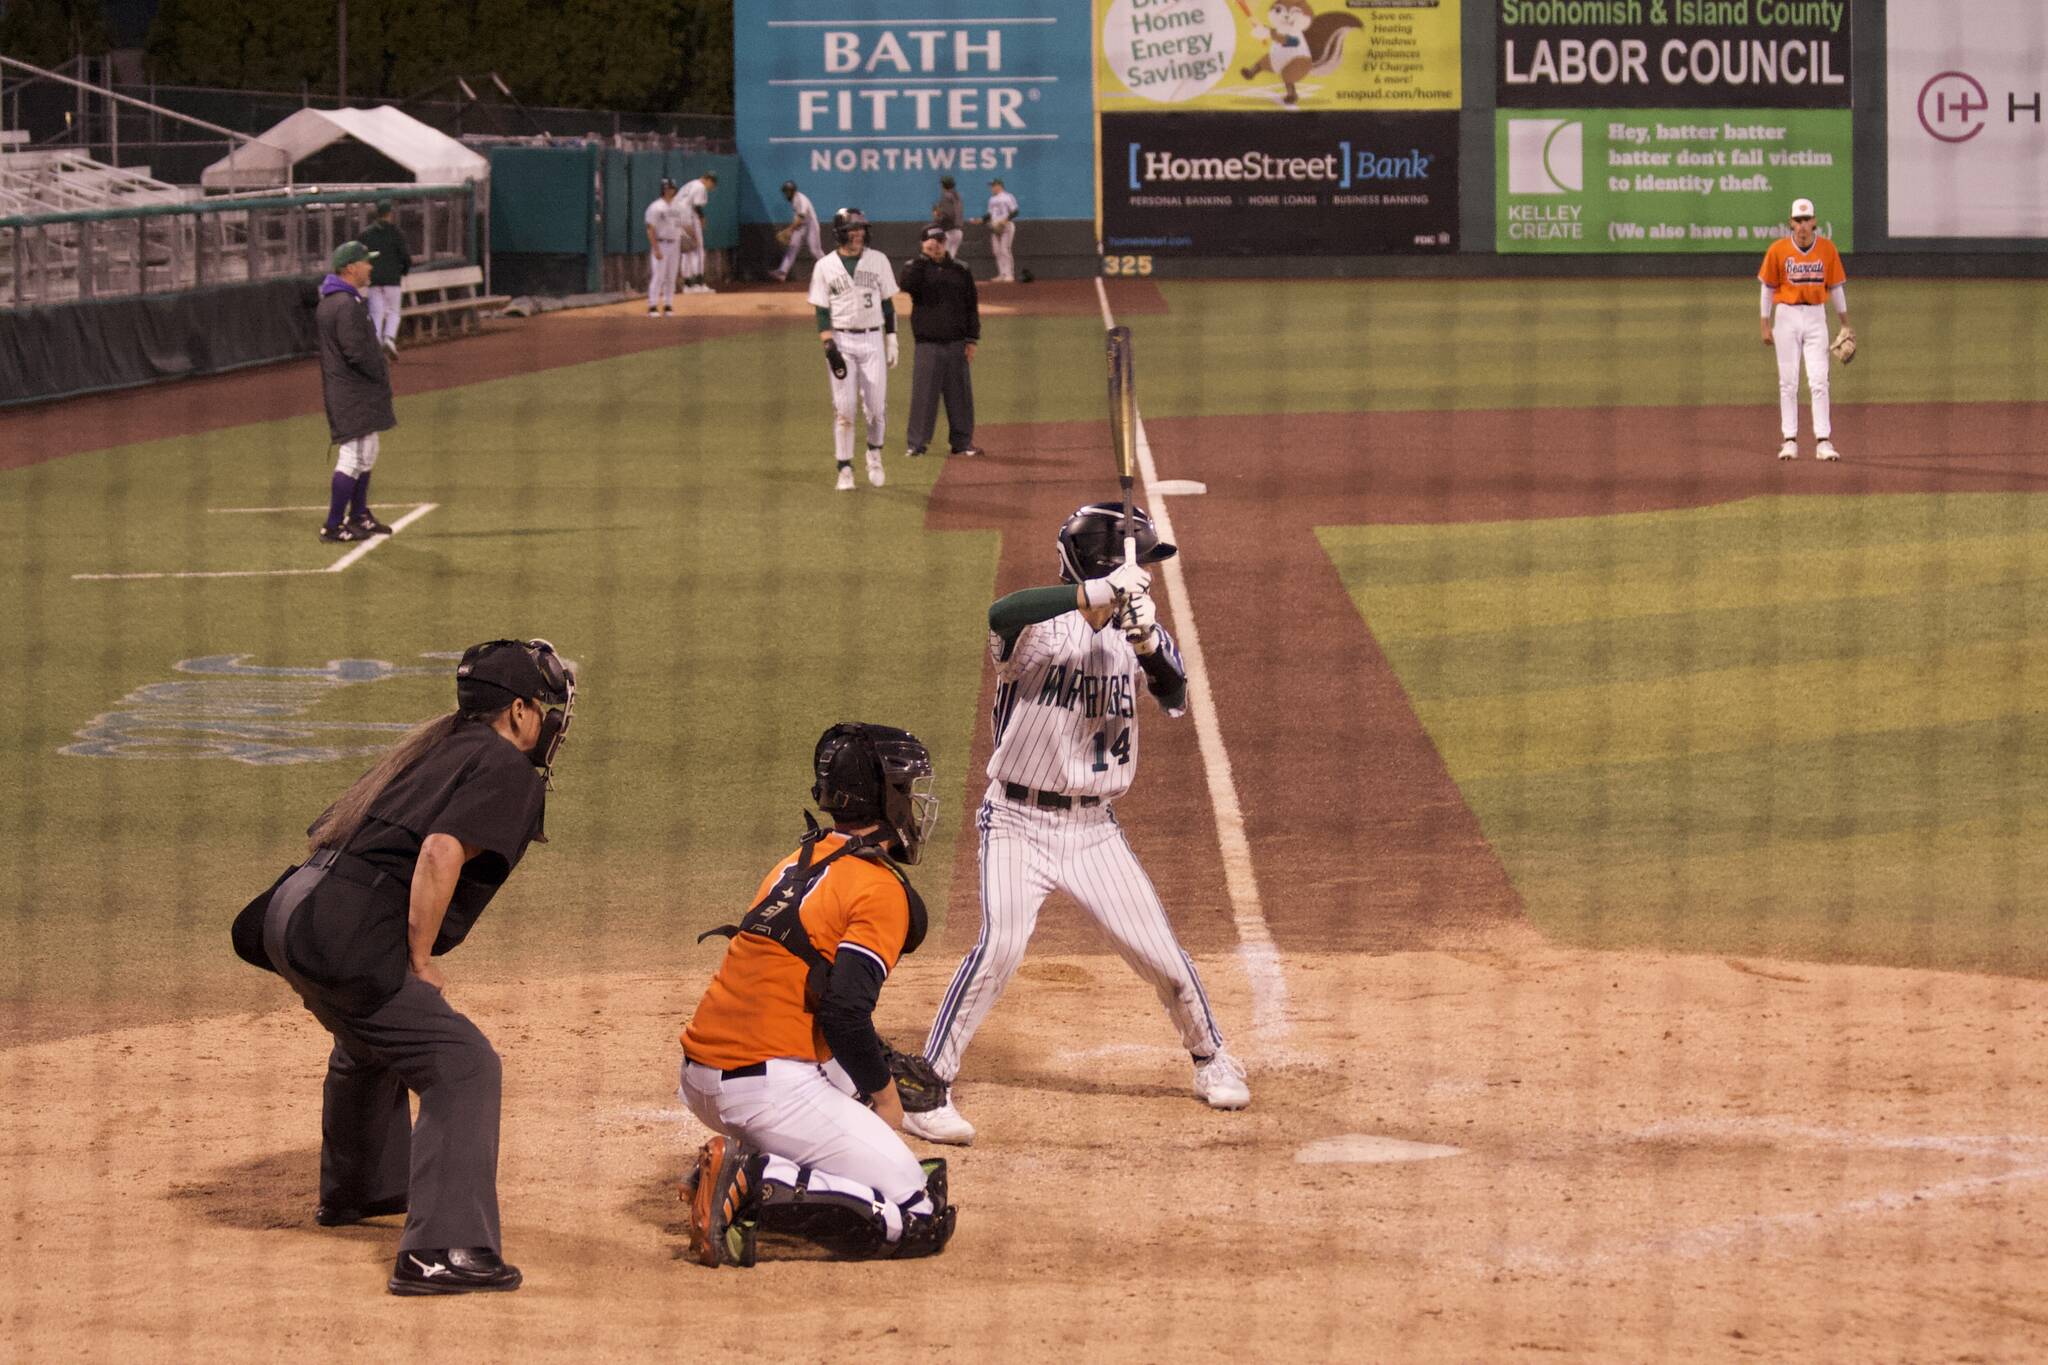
x=870, y=104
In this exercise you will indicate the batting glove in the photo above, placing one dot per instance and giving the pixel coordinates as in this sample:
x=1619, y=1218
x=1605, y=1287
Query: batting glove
x=1140, y=621
x=1129, y=580
x=889, y=349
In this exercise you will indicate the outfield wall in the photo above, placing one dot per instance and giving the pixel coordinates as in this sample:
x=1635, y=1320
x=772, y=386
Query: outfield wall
x=1585, y=137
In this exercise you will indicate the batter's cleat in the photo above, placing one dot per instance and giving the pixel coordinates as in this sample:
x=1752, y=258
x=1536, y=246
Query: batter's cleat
x=341, y=1215
x=456, y=1270
x=846, y=478
x=1789, y=450
x=1826, y=450
x=942, y=1124
x=1219, y=1082
x=723, y=1194
x=367, y=525
x=875, y=475
x=343, y=534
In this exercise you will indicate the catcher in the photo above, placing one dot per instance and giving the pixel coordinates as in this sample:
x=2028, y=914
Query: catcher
x=781, y=1059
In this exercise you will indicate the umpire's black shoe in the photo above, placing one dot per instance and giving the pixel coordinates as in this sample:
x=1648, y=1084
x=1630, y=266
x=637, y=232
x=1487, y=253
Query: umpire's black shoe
x=457, y=1270
x=368, y=525
x=344, y=534
x=341, y=1215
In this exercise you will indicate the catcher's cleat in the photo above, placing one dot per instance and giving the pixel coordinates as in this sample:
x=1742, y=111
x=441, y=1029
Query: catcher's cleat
x=341, y=1215
x=725, y=1190
x=942, y=1124
x=343, y=534
x=846, y=478
x=1220, y=1083
x=455, y=1270
x=1826, y=450
x=875, y=475
x=1789, y=450
x=368, y=525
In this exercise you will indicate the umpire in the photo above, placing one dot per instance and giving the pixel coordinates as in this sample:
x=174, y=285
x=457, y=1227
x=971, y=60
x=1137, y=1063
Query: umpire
x=945, y=318
x=401, y=865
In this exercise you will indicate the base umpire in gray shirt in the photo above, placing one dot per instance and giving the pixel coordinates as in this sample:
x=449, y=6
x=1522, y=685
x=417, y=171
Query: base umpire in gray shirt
x=946, y=320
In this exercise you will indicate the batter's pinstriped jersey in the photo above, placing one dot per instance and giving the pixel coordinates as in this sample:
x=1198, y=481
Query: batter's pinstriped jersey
x=1066, y=712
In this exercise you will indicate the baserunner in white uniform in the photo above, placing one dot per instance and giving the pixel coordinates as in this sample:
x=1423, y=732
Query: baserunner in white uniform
x=853, y=291
x=665, y=223
x=1070, y=661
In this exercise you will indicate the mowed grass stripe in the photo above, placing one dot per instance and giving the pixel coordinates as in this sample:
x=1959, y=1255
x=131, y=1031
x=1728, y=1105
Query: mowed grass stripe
x=1816, y=735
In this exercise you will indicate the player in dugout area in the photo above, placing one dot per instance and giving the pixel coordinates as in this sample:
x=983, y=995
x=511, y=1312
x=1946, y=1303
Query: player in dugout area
x=781, y=1060
x=399, y=868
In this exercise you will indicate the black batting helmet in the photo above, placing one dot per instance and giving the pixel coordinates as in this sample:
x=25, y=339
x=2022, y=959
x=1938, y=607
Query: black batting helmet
x=845, y=221
x=1092, y=541
x=876, y=773
x=789, y=189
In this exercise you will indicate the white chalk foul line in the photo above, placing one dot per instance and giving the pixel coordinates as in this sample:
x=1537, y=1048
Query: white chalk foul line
x=1254, y=939
x=338, y=566
x=302, y=507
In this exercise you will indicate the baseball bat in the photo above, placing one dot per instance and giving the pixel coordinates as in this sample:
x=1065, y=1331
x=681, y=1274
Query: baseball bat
x=1123, y=427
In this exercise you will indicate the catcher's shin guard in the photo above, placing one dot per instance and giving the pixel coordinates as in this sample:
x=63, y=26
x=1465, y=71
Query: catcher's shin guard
x=924, y=1234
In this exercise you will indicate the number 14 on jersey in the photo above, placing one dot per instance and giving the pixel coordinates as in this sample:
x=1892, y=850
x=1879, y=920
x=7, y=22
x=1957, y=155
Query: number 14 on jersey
x=1105, y=748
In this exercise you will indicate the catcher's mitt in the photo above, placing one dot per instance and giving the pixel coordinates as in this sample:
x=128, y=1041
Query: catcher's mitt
x=1844, y=348
x=917, y=1085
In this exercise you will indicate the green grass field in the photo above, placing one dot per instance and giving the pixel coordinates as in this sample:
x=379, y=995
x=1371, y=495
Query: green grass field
x=1802, y=726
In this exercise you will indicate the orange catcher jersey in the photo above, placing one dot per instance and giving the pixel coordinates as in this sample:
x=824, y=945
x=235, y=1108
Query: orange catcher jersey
x=754, y=1007
x=1797, y=276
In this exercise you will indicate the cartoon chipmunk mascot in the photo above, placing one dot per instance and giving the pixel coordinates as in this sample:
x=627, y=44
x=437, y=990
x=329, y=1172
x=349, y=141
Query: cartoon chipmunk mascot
x=1300, y=43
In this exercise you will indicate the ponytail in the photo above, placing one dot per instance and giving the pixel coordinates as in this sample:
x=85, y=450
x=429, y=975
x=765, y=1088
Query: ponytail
x=339, y=822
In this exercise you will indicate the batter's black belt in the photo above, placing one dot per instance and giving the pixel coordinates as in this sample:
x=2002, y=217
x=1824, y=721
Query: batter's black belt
x=1049, y=800
x=361, y=871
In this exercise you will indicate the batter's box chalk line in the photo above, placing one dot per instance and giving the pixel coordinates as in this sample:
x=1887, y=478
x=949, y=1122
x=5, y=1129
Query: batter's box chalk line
x=341, y=565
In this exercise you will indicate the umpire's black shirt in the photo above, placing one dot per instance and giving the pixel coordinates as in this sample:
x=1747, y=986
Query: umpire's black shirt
x=944, y=304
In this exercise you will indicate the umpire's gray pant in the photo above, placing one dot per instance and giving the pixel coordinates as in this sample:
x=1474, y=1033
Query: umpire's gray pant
x=941, y=368
x=370, y=1150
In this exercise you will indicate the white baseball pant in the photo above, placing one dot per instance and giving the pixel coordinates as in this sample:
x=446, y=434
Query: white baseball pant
x=867, y=379
x=693, y=262
x=358, y=457
x=806, y=237
x=383, y=301
x=1801, y=329
x=953, y=239
x=807, y=1114
x=1003, y=238
x=661, y=273
x=1027, y=853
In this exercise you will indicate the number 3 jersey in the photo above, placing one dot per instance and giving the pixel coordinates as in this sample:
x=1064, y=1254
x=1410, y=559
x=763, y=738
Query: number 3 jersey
x=1066, y=712
x=852, y=291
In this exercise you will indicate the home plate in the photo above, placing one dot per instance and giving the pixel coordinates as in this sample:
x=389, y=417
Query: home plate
x=1179, y=488
x=1364, y=1148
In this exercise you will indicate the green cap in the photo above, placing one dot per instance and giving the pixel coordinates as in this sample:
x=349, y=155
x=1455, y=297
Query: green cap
x=348, y=253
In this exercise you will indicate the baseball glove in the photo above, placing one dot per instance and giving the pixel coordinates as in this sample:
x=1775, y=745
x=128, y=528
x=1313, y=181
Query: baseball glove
x=917, y=1084
x=782, y=234
x=834, y=360
x=1844, y=348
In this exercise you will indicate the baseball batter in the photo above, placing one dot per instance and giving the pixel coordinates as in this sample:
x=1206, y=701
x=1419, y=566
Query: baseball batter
x=1801, y=273
x=665, y=225
x=1070, y=661
x=853, y=291
x=693, y=198
x=782, y=1050
x=801, y=230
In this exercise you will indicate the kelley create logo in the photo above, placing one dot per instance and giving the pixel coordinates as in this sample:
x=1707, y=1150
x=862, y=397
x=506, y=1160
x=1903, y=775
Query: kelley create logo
x=1546, y=156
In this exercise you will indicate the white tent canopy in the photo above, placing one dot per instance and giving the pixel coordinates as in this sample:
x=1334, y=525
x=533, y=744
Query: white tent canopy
x=431, y=156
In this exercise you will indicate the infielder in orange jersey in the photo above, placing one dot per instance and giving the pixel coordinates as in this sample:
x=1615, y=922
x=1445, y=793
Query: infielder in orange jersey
x=781, y=1060
x=1800, y=274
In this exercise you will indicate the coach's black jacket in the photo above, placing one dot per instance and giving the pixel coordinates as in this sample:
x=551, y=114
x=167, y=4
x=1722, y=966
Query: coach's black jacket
x=353, y=377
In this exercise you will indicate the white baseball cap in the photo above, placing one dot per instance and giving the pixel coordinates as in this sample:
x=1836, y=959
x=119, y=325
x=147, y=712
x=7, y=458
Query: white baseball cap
x=1802, y=208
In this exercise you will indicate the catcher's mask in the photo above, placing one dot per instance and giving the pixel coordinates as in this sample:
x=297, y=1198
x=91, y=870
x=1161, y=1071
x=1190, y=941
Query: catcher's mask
x=495, y=673
x=1092, y=541
x=875, y=773
x=845, y=221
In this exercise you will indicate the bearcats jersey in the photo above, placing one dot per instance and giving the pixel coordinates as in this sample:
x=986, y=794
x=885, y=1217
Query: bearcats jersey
x=667, y=219
x=854, y=289
x=1797, y=276
x=754, y=1007
x=1066, y=712
x=800, y=207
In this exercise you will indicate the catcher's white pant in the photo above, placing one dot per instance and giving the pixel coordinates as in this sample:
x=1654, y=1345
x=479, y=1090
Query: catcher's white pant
x=1801, y=329
x=1028, y=852
x=1002, y=237
x=661, y=273
x=358, y=457
x=807, y=1114
x=383, y=302
x=805, y=237
x=867, y=379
